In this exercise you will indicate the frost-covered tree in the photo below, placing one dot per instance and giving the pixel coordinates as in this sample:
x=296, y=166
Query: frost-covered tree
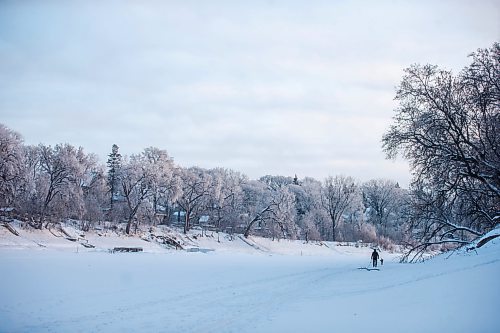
x=352, y=219
x=71, y=203
x=94, y=196
x=384, y=203
x=309, y=223
x=164, y=182
x=11, y=166
x=195, y=183
x=447, y=126
x=281, y=214
x=271, y=204
x=225, y=197
x=136, y=184
x=28, y=195
x=337, y=195
x=255, y=204
x=57, y=190
x=310, y=217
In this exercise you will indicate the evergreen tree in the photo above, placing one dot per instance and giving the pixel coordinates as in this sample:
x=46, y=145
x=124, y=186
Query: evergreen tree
x=114, y=167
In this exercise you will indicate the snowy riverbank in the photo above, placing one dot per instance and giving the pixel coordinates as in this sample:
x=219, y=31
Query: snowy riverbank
x=71, y=239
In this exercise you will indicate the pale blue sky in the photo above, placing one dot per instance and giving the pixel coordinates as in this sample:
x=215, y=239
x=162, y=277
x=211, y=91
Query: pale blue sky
x=262, y=87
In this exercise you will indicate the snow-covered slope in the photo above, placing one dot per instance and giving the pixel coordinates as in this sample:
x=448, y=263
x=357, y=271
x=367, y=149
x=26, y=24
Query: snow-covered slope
x=239, y=288
x=67, y=238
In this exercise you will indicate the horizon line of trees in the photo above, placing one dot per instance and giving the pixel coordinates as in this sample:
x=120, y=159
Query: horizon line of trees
x=47, y=184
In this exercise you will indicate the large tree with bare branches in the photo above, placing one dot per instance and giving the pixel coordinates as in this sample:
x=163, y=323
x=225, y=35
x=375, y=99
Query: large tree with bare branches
x=448, y=127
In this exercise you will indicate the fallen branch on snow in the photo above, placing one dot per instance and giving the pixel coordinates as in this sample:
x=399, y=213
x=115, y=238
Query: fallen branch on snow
x=10, y=228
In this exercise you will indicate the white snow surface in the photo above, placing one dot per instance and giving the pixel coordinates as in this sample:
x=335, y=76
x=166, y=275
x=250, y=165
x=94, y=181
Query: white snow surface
x=50, y=284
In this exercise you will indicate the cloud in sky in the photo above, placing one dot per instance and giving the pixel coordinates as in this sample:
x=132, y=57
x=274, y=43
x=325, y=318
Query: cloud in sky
x=262, y=87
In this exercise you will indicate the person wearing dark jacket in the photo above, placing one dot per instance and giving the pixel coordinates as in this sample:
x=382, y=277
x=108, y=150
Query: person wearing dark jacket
x=375, y=257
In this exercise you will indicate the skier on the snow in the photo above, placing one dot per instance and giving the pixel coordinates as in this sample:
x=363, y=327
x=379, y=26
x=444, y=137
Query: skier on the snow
x=375, y=257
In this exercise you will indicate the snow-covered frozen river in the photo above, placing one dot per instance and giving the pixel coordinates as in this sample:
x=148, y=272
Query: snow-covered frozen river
x=57, y=291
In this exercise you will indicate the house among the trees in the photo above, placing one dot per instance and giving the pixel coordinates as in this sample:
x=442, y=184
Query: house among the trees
x=178, y=217
x=204, y=220
x=7, y=212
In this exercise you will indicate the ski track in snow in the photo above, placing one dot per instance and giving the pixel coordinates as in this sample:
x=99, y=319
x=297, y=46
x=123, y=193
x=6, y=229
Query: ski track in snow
x=238, y=302
x=251, y=300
